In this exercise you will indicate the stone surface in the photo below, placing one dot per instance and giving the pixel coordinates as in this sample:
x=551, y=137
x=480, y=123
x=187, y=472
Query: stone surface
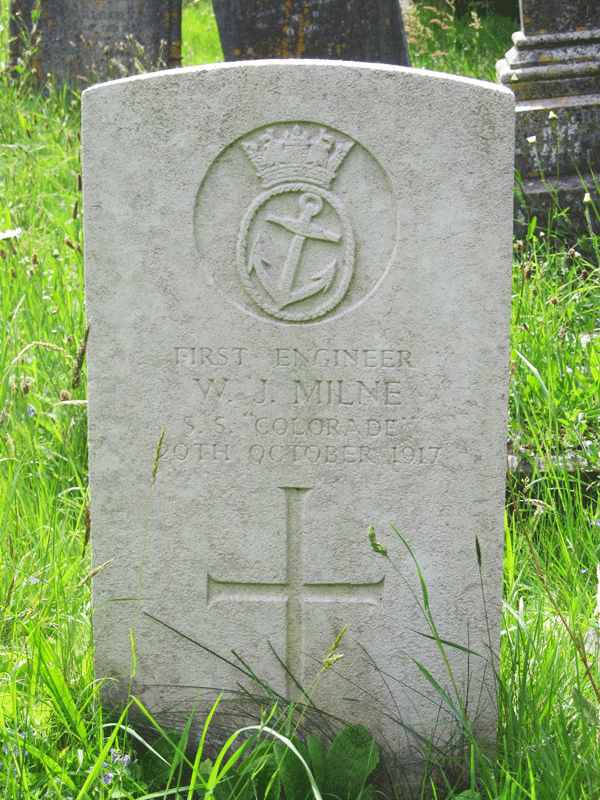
x=82, y=41
x=310, y=293
x=571, y=138
x=548, y=66
x=539, y=17
x=554, y=71
x=352, y=30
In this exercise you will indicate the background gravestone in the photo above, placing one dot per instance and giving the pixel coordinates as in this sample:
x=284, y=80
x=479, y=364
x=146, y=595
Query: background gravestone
x=83, y=41
x=319, y=318
x=350, y=30
x=554, y=71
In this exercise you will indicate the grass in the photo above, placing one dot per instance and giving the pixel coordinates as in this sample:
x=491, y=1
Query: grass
x=55, y=739
x=201, y=43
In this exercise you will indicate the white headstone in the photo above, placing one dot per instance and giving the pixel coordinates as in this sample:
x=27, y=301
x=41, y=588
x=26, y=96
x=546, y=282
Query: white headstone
x=301, y=270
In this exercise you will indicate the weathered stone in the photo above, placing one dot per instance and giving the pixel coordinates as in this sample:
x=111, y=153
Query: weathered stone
x=306, y=284
x=83, y=41
x=554, y=71
x=539, y=17
x=352, y=30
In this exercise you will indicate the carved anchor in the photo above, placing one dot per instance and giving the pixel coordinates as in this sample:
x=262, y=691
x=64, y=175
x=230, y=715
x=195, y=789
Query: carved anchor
x=282, y=290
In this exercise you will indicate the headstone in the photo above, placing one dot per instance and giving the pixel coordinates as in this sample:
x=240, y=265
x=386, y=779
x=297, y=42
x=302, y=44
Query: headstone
x=352, y=30
x=314, y=305
x=554, y=71
x=83, y=41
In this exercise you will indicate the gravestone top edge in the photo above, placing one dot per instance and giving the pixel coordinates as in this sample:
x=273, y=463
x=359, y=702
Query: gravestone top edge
x=304, y=64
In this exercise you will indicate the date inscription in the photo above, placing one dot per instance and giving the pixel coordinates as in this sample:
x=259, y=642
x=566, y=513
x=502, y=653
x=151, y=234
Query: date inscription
x=315, y=405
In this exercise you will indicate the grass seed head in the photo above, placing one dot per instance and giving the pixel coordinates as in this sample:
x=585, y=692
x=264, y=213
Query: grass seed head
x=76, y=379
x=87, y=521
x=332, y=656
x=377, y=547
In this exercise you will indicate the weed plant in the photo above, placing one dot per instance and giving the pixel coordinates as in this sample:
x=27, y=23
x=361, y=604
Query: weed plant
x=469, y=45
x=55, y=741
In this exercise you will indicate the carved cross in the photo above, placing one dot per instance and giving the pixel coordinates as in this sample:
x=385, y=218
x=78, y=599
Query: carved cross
x=295, y=591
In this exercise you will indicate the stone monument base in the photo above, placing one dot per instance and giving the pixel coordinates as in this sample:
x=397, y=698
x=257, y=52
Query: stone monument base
x=555, y=141
x=554, y=71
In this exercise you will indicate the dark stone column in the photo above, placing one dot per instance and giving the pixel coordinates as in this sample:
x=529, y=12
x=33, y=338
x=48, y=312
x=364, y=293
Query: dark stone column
x=349, y=30
x=554, y=71
x=85, y=41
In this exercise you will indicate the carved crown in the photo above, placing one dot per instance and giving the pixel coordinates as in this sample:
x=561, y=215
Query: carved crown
x=291, y=154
